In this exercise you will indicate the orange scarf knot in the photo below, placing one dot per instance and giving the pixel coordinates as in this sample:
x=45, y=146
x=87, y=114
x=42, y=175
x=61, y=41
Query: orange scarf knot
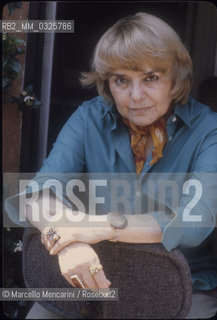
x=138, y=137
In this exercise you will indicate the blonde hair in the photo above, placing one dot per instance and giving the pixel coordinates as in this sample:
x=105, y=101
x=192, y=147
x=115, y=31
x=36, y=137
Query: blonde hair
x=141, y=38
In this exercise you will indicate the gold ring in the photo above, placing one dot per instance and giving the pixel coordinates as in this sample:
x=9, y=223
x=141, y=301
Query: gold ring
x=95, y=269
x=52, y=233
x=77, y=281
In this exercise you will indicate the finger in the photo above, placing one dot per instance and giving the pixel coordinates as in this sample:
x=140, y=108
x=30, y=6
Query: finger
x=42, y=238
x=44, y=235
x=78, y=281
x=52, y=242
x=48, y=244
x=45, y=240
x=58, y=246
x=89, y=280
x=68, y=276
x=71, y=282
x=101, y=279
x=108, y=282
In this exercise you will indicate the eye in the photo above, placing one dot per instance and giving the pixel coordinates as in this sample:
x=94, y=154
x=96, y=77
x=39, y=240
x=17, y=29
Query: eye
x=121, y=81
x=151, y=78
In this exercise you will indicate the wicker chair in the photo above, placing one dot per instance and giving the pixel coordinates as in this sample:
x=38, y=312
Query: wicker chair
x=152, y=283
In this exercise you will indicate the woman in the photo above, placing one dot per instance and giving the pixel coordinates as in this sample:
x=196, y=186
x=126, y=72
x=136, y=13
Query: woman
x=142, y=122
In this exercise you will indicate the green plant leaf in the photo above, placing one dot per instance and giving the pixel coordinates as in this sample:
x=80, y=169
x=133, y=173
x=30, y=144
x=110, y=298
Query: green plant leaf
x=4, y=63
x=37, y=103
x=11, y=66
x=16, y=66
x=7, y=88
x=19, y=41
x=18, y=5
x=5, y=82
x=13, y=5
x=20, y=51
x=14, y=75
x=29, y=88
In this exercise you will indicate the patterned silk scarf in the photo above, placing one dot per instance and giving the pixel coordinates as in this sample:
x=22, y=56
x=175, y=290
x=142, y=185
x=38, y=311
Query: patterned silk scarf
x=139, y=140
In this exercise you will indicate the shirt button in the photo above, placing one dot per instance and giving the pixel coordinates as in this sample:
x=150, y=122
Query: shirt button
x=170, y=138
x=174, y=119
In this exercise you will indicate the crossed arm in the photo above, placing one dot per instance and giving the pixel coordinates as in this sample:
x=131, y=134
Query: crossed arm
x=74, y=252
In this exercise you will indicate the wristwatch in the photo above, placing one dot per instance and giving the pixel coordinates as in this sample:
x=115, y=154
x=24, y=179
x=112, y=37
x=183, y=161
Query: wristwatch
x=117, y=220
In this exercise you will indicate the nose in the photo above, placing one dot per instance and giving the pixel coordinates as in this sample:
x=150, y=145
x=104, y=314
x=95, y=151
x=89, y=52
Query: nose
x=137, y=92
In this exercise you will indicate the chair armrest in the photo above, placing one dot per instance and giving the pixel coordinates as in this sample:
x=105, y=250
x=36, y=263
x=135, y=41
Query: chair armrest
x=152, y=283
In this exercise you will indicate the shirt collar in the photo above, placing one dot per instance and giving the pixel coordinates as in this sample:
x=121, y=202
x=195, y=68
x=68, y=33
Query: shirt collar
x=183, y=112
x=108, y=109
x=112, y=111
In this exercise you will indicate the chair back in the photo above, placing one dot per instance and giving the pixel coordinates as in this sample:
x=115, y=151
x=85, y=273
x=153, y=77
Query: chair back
x=152, y=283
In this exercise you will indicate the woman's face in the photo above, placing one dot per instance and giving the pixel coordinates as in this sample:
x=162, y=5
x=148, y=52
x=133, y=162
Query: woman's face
x=140, y=96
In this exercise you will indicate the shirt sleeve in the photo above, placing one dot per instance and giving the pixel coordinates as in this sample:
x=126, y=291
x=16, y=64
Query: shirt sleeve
x=67, y=154
x=64, y=161
x=195, y=218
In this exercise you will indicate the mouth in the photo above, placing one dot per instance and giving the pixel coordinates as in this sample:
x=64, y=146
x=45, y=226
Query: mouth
x=143, y=109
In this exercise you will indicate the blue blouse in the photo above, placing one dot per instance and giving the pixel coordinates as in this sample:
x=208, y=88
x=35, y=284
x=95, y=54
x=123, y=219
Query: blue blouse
x=95, y=140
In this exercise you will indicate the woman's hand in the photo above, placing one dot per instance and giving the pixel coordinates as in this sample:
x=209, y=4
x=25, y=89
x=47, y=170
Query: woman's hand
x=69, y=235
x=76, y=259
